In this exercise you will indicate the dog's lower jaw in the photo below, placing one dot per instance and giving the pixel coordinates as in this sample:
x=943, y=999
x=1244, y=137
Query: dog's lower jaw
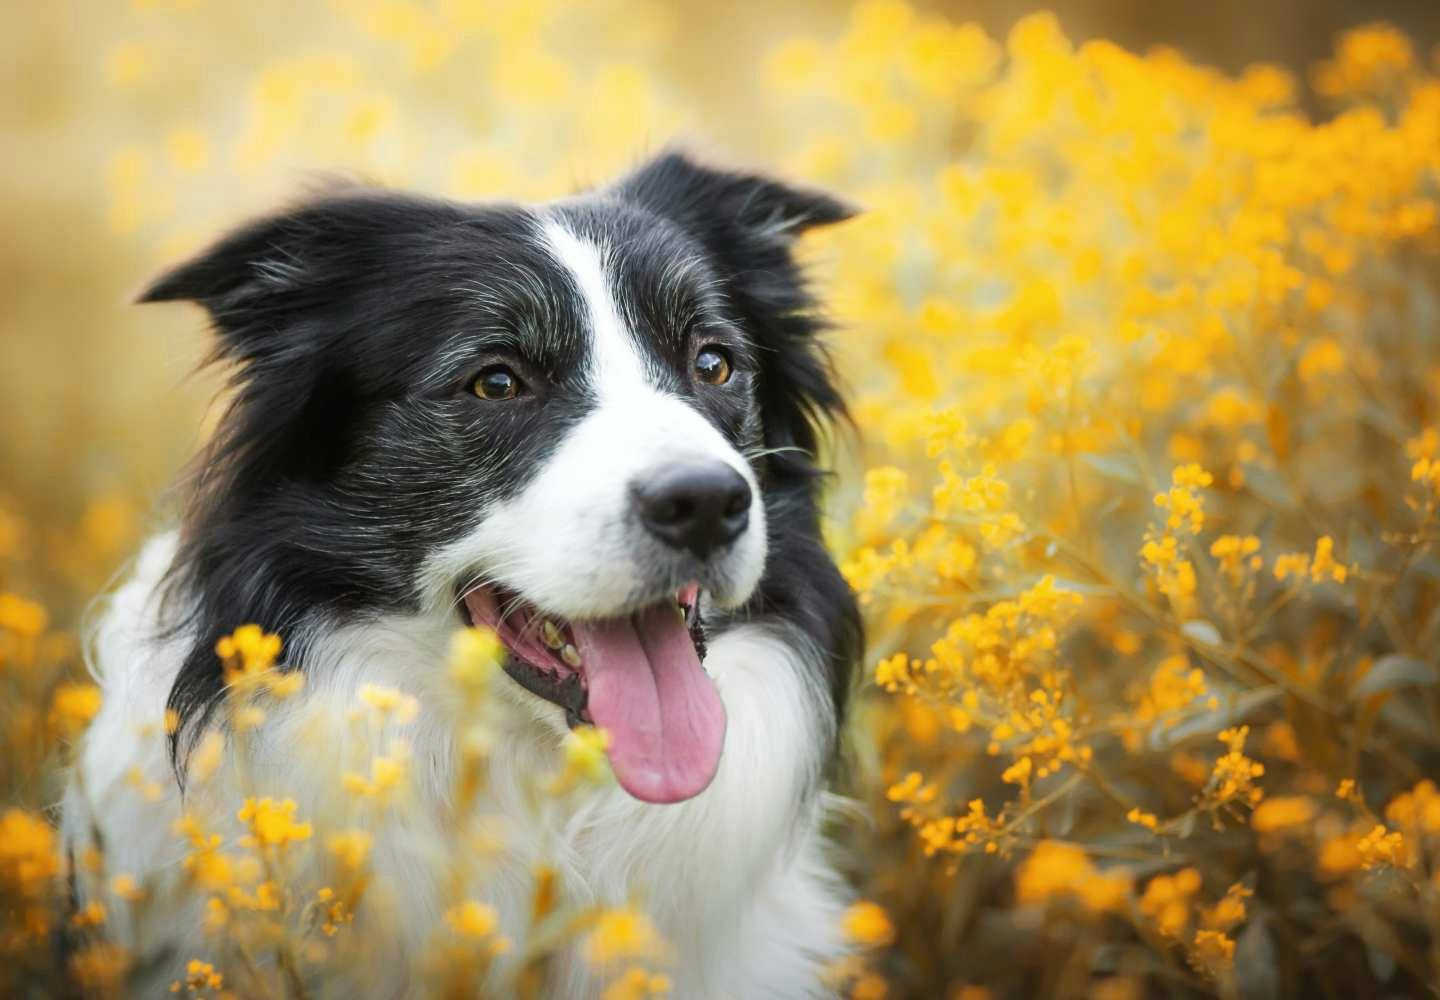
x=736, y=877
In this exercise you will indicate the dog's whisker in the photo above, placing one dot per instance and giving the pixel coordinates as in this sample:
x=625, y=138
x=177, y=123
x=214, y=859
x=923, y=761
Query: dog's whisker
x=779, y=450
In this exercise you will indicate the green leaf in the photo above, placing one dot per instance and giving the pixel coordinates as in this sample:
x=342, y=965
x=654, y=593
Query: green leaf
x=1268, y=486
x=1232, y=711
x=1395, y=671
x=1256, y=965
x=1121, y=467
x=1203, y=632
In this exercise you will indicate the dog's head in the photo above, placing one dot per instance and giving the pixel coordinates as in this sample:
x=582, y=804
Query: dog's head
x=571, y=423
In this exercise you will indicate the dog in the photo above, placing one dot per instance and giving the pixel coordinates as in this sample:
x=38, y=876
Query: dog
x=589, y=425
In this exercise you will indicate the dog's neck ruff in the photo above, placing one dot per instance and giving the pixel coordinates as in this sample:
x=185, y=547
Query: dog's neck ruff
x=734, y=877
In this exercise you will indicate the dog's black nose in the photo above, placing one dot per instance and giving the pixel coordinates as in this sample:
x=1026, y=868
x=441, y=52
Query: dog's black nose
x=699, y=506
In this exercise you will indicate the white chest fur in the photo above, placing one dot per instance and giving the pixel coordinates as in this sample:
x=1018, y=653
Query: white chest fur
x=736, y=878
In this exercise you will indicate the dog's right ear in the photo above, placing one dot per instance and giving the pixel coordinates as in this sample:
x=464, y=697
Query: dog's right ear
x=267, y=276
x=245, y=262
x=260, y=278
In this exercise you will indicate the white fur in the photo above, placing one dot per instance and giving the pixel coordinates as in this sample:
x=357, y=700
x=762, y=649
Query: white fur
x=735, y=878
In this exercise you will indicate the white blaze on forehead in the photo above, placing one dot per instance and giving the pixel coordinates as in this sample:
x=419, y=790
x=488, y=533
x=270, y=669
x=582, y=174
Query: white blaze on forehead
x=616, y=365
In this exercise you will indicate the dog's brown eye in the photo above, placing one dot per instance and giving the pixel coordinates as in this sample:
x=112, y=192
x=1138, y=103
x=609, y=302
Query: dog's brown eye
x=496, y=382
x=712, y=365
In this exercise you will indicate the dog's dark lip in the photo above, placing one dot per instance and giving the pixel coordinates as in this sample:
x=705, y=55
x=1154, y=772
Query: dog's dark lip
x=568, y=691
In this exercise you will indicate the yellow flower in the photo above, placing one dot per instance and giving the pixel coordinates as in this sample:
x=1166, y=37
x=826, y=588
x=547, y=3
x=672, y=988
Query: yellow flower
x=127, y=888
x=91, y=914
x=794, y=63
x=886, y=491
x=1058, y=871
x=1213, y=950
x=265, y=898
x=128, y=64
x=1324, y=563
x=188, y=149
x=248, y=665
x=1282, y=813
x=1174, y=575
x=620, y=934
x=585, y=758
x=1141, y=818
x=636, y=983
x=1291, y=564
x=1320, y=568
x=1416, y=811
x=1191, y=476
x=100, y=967
x=1230, y=911
x=385, y=701
x=1019, y=772
x=149, y=790
x=28, y=858
x=1167, y=900
x=189, y=827
x=475, y=655
x=1322, y=358
x=1237, y=556
x=893, y=673
x=199, y=976
x=477, y=921
x=351, y=848
x=1183, y=506
x=868, y=924
x=247, y=650
x=272, y=823
x=73, y=706
x=335, y=911
x=1366, y=60
x=25, y=618
x=216, y=916
x=388, y=774
x=911, y=789
x=1233, y=779
x=1173, y=687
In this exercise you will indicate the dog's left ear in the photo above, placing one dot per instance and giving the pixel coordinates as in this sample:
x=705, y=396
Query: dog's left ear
x=748, y=223
x=724, y=206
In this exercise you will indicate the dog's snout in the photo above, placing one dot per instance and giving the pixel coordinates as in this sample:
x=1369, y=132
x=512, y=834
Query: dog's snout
x=699, y=506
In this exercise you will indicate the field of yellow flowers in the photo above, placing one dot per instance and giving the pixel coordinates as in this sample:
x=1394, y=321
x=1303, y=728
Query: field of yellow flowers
x=1141, y=500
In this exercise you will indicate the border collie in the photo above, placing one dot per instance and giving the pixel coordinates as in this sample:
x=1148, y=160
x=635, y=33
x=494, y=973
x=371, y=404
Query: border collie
x=590, y=425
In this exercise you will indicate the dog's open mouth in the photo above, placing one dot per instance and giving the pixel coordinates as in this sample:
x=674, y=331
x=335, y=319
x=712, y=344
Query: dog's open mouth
x=638, y=676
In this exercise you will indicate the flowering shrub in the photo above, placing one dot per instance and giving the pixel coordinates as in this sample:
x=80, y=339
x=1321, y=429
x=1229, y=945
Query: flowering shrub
x=1141, y=510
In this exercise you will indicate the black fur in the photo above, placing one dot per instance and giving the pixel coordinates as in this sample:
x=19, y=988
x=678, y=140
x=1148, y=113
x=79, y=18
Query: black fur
x=352, y=446
x=747, y=225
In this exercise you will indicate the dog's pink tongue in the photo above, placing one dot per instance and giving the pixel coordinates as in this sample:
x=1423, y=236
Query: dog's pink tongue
x=662, y=711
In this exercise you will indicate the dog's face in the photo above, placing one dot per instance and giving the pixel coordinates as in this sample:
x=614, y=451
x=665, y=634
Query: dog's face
x=554, y=420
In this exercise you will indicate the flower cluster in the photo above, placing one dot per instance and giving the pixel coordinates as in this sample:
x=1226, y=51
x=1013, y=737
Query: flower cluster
x=1140, y=579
